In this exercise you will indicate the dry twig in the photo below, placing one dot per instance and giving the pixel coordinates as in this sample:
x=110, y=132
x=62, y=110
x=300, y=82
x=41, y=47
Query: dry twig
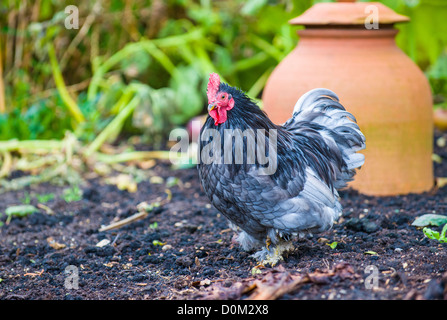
x=123, y=222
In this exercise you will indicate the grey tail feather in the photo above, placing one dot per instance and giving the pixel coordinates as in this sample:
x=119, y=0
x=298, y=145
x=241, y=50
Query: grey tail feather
x=337, y=126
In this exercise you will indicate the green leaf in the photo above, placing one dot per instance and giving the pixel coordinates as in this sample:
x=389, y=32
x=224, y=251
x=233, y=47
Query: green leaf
x=443, y=238
x=189, y=99
x=136, y=63
x=372, y=253
x=333, y=245
x=429, y=220
x=21, y=210
x=251, y=7
x=172, y=181
x=158, y=243
x=43, y=198
x=72, y=194
x=435, y=235
x=431, y=233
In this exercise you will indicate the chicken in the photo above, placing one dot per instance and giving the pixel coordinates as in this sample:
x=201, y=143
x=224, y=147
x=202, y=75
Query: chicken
x=314, y=154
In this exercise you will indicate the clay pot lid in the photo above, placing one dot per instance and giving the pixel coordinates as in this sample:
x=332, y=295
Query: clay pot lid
x=346, y=13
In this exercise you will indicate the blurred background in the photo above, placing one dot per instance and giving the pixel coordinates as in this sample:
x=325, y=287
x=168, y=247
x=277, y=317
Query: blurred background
x=149, y=60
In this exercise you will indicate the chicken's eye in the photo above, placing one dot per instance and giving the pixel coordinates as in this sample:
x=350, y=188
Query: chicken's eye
x=222, y=96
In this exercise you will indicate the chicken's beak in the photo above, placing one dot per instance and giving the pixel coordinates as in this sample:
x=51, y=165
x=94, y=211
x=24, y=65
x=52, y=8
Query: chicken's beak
x=211, y=106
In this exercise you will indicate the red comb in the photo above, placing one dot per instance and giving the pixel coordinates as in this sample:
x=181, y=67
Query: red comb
x=213, y=86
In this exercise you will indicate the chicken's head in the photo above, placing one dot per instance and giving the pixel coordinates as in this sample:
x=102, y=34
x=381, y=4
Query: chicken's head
x=219, y=101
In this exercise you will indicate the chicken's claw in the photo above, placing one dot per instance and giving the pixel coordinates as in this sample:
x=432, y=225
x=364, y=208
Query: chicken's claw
x=268, y=242
x=271, y=256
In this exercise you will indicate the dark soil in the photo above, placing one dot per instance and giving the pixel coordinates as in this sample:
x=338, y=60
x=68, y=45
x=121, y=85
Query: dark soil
x=184, y=249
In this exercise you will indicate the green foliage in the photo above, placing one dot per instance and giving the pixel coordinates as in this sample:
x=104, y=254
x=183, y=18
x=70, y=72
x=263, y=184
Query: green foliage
x=158, y=243
x=435, y=235
x=57, y=79
x=430, y=220
x=41, y=198
x=437, y=75
x=72, y=194
x=332, y=245
x=424, y=39
x=19, y=211
x=168, y=47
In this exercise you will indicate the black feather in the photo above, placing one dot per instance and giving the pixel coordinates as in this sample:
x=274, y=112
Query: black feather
x=295, y=149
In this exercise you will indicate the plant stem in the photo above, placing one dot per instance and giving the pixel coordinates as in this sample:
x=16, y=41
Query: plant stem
x=267, y=47
x=259, y=84
x=251, y=62
x=2, y=88
x=152, y=46
x=160, y=56
x=12, y=145
x=113, y=126
x=134, y=155
x=107, y=65
x=7, y=163
x=61, y=87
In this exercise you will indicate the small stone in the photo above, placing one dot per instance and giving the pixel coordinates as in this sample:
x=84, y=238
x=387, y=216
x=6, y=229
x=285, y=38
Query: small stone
x=363, y=224
x=184, y=261
x=353, y=224
x=178, y=224
x=369, y=226
x=103, y=243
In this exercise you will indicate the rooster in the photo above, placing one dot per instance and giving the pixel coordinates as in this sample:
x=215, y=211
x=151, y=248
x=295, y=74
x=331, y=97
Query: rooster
x=315, y=153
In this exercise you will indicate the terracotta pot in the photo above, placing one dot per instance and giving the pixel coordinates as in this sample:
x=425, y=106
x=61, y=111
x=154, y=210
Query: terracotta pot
x=375, y=80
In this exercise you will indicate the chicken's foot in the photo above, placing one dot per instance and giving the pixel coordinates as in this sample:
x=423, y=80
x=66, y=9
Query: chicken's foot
x=271, y=255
